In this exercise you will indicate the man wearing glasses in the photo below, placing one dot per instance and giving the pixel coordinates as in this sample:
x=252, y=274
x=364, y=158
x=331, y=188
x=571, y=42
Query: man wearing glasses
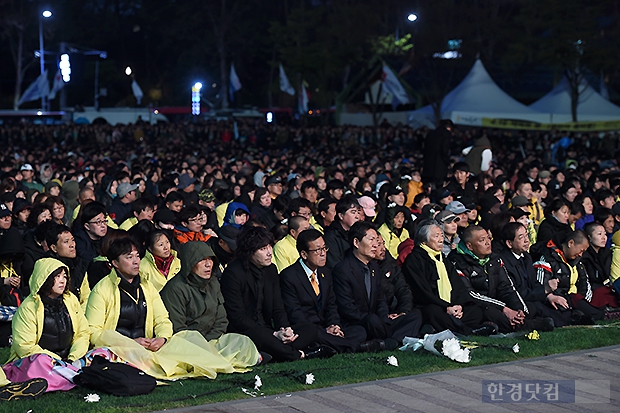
x=308, y=295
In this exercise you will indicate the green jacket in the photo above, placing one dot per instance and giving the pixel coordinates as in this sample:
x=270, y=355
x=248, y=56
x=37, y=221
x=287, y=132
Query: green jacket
x=195, y=303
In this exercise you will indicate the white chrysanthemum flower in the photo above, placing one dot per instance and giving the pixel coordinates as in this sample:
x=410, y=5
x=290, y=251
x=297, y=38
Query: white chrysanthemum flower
x=258, y=383
x=309, y=378
x=92, y=398
x=450, y=347
x=392, y=361
x=516, y=348
x=462, y=356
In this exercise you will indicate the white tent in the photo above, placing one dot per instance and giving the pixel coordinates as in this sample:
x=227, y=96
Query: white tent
x=477, y=97
x=591, y=106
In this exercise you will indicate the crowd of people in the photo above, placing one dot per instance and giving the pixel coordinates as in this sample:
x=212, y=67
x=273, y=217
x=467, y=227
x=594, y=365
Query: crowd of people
x=190, y=250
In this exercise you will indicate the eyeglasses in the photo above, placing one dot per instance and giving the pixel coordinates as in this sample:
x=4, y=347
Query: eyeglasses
x=319, y=250
x=99, y=222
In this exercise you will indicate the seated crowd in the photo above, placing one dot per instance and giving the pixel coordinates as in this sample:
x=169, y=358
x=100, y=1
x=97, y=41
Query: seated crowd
x=195, y=271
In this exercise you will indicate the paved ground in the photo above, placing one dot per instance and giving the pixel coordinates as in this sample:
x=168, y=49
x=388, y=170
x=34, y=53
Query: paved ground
x=593, y=373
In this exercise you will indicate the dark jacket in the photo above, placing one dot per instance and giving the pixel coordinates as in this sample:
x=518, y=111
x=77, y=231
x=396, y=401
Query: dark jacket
x=523, y=276
x=598, y=266
x=119, y=211
x=264, y=215
x=351, y=295
x=195, y=303
x=489, y=286
x=420, y=272
x=86, y=248
x=337, y=240
x=550, y=229
x=465, y=195
x=552, y=265
x=57, y=333
x=436, y=154
x=396, y=290
x=301, y=303
x=252, y=297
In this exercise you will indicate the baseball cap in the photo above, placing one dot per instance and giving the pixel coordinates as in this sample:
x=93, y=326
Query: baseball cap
x=273, y=180
x=394, y=190
x=520, y=201
x=185, y=180
x=26, y=167
x=446, y=216
x=368, y=205
x=125, y=188
x=229, y=235
x=518, y=212
x=4, y=211
x=544, y=174
x=457, y=207
x=206, y=195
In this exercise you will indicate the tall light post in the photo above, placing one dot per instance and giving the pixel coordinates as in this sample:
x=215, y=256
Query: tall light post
x=411, y=17
x=44, y=14
x=196, y=98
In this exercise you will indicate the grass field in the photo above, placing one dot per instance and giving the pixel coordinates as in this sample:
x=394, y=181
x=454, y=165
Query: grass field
x=281, y=378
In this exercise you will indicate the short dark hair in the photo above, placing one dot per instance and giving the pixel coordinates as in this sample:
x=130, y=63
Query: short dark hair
x=325, y=203
x=173, y=197
x=601, y=214
x=460, y=166
x=307, y=185
x=141, y=204
x=577, y=236
x=509, y=232
x=188, y=212
x=121, y=246
x=359, y=230
x=90, y=211
x=52, y=234
x=468, y=234
x=296, y=204
x=37, y=210
x=346, y=202
x=590, y=227
x=295, y=222
x=556, y=205
x=250, y=240
x=46, y=288
x=306, y=237
x=419, y=197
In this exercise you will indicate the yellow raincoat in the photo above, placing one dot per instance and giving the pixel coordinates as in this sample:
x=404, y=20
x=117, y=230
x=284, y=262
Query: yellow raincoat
x=186, y=354
x=392, y=241
x=28, y=320
x=150, y=273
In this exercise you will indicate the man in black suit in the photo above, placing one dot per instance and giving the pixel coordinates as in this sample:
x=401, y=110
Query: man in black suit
x=253, y=302
x=359, y=292
x=307, y=291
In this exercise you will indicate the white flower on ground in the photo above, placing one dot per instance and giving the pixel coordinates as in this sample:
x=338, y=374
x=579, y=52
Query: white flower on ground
x=462, y=356
x=258, y=383
x=451, y=348
x=516, y=348
x=309, y=378
x=92, y=398
x=392, y=361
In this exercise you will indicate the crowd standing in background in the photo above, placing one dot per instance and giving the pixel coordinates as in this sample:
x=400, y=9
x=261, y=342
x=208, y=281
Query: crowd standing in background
x=188, y=250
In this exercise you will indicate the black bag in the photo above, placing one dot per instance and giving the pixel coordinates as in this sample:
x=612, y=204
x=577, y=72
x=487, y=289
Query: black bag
x=117, y=379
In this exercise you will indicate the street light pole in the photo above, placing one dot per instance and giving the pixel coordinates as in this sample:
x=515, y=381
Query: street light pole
x=44, y=14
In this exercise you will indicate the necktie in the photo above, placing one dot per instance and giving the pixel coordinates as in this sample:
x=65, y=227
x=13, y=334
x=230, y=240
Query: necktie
x=367, y=280
x=315, y=284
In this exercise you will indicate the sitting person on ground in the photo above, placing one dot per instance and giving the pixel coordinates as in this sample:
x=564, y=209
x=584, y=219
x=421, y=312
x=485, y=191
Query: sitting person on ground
x=360, y=296
x=597, y=262
x=50, y=323
x=308, y=295
x=392, y=230
x=253, y=302
x=285, y=251
x=142, y=208
x=348, y=212
x=449, y=224
x=518, y=264
x=128, y=316
x=89, y=228
x=190, y=228
x=194, y=302
x=160, y=263
x=237, y=214
x=396, y=290
x=562, y=272
x=489, y=285
x=61, y=244
x=437, y=290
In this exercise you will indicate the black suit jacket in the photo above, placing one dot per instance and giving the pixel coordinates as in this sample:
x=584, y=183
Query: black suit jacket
x=524, y=281
x=242, y=288
x=301, y=303
x=350, y=290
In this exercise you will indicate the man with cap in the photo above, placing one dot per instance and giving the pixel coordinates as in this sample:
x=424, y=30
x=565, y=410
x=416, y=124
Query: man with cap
x=448, y=221
x=443, y=196
x=460, y=185
x=28, y=181
x=186, y=188
x=458, y=209
x=206, y=201
x=224, y=246
x=285, y=252
x=120, y=209
x=274, y=186
x=5, y=219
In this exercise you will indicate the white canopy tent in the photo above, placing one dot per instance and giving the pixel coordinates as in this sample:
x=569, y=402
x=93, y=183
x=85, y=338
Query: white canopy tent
x=591, y=106
x=477, y=97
